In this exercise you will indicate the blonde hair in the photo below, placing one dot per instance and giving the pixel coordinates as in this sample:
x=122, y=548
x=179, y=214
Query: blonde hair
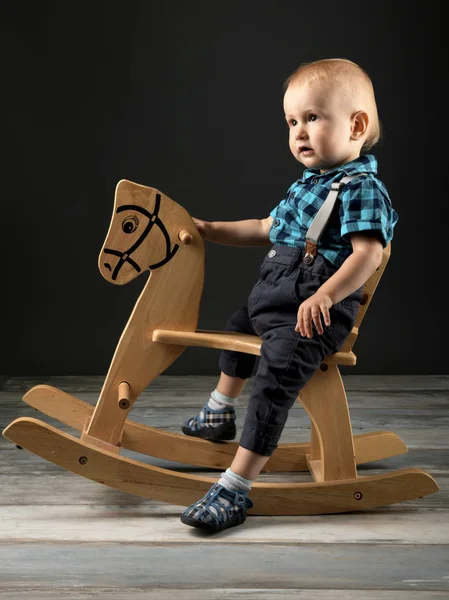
x=350, y=75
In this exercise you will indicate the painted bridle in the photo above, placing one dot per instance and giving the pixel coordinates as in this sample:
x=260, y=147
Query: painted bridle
x=129, y=225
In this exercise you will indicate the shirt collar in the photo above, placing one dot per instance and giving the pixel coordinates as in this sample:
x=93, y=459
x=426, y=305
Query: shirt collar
x=363, y=164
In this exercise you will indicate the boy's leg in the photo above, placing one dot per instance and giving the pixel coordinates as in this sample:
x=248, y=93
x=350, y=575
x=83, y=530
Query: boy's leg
x=216, y=420
x=230, y=386
x=248, y=464
x=287, y=362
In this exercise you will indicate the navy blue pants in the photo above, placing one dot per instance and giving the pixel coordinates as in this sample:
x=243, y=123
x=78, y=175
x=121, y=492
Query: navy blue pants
x=287, y=360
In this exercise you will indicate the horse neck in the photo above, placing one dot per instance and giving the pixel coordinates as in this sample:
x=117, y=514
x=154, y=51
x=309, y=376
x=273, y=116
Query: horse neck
x=173, y=292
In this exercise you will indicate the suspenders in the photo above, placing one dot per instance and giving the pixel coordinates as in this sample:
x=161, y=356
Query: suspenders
x=321, y=218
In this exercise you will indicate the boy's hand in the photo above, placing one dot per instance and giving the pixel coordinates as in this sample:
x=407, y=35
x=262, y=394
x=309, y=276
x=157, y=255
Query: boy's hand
x=202, y=227
x=310, y=311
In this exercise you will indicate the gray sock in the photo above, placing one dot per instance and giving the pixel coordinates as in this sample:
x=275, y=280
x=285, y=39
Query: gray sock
x=217, y=401
x=234, y=483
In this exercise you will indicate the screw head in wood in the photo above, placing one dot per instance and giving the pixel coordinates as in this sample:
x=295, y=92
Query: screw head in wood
x=124, y=404
x=358, y=495
x=83, y=460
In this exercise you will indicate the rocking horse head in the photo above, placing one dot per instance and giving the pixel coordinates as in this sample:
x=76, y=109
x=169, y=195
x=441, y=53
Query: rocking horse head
x=145, y=233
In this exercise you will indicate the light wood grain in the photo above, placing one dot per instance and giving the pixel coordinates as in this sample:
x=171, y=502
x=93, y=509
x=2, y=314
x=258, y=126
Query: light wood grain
x=368, y=292
x=332, y=443
x=238, y=342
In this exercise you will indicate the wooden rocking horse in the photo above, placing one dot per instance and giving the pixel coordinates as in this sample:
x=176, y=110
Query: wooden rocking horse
x=151, y=232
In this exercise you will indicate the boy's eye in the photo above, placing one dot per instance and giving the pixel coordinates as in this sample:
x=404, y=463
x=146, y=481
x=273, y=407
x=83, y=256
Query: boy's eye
x=312, y=117
x=293, y=123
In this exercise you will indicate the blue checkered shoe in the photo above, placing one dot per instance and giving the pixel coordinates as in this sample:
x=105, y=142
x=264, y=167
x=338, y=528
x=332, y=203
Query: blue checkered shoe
x=213, y=425
x=218, y=509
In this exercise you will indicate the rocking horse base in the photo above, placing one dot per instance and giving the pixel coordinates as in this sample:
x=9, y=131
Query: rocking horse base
x=155, y=442
x=145, y=480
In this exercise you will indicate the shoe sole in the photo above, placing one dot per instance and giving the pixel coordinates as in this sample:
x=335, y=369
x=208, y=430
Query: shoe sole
x=237, y=519
x=213, y=434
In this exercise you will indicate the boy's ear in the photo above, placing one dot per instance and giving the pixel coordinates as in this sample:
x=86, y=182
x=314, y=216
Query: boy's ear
x=360, y=122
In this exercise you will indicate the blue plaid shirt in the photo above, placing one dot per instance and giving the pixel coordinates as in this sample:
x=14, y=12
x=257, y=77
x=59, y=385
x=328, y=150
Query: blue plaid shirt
x=363, y=204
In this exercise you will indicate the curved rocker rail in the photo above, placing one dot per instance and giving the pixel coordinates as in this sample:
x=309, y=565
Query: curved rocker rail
x=153, y=482
x=194, y=451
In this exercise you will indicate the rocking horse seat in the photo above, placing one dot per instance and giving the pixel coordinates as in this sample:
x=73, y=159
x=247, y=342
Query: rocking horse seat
x=240, y=342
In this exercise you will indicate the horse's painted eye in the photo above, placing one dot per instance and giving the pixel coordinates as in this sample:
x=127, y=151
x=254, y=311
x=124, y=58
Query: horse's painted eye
x=130, y=224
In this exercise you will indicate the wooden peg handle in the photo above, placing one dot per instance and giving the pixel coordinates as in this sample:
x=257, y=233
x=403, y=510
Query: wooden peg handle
x=185, y=237
x=124, y=392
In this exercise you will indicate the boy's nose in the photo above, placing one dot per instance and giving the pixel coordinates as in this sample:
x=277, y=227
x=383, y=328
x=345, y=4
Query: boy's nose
x=300, y=132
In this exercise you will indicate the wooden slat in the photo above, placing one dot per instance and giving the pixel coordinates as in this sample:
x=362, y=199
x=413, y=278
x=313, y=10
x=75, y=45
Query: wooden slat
x=240, y=342
x=225, y=593
x=296, y=566
x=143, y=523
x=368, y=292
x=324, y=399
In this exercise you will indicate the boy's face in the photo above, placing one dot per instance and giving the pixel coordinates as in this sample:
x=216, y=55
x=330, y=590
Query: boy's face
x=320, y=125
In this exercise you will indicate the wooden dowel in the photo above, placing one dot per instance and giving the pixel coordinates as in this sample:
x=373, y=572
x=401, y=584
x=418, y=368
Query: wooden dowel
x=185, y=237
x=124, y=392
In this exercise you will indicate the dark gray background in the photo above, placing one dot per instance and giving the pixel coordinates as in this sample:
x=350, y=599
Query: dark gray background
x=187, y=97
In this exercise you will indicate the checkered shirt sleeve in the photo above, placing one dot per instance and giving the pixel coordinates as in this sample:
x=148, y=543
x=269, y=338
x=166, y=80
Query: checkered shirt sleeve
x=366, y=206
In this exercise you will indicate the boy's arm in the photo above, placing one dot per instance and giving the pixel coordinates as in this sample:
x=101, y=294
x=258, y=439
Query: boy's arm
x=353, y=273
x=357, y=268
x=252, y=232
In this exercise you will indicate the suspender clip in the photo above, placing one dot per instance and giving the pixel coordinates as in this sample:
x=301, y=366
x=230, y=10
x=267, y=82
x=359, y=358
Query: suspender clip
x=310, y=252
x=308, y=259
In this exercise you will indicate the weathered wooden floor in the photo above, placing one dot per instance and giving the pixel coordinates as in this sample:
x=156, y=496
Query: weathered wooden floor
x=62, y=536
